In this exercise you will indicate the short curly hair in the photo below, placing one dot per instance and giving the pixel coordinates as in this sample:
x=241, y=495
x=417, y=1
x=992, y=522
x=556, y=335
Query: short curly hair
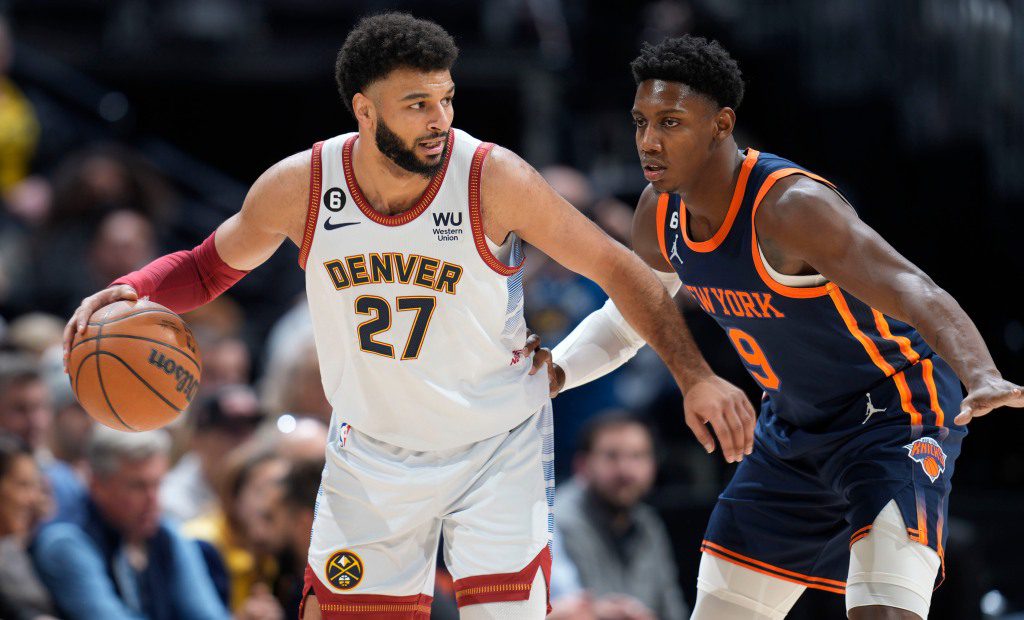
x=382, y=43
x=701, y=64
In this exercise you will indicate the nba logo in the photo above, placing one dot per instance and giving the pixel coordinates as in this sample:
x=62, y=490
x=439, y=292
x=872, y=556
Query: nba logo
x=343, y=431
x=929, y=454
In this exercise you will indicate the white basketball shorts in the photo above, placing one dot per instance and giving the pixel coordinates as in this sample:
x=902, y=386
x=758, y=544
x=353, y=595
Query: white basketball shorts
x=382, y=509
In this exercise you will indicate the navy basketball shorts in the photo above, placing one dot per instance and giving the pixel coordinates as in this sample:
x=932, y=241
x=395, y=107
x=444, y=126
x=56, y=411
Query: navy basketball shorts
x=797, y=504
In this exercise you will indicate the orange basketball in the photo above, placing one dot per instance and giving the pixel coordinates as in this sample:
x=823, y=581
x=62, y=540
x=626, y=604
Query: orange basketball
x=135, y=367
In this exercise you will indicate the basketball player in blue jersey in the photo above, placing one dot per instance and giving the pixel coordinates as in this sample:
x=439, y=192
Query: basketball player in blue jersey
x=860, y=355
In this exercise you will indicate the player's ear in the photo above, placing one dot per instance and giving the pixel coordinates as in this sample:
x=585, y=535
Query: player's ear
x=725, y=122
x=363, y=110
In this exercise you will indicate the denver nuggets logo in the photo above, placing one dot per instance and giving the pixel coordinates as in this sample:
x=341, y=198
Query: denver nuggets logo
x=344, y=570
x=929, y=454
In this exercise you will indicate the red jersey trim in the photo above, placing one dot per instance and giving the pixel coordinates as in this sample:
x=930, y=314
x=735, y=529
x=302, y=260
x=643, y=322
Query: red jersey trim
x=476, y=221
x=406, y=216
x=772, y=283
x=734, y=208
x=346, y=606
x=504, y=587
x=313, y=213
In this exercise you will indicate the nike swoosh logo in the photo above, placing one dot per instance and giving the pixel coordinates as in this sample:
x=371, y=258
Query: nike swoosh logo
x=329, y=226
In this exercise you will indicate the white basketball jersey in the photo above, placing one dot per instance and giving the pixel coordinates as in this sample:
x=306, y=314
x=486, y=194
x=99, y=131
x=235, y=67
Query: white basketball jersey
x=419, y=327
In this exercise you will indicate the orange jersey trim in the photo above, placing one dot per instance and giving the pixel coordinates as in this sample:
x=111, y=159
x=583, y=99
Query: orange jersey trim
x=927, y=369
x=903, y=342
x=819, y=583
x=476, y=220
x=313, y=213
x=660, y=216
x=775, y=285
x=406, y=216
x=851, y=324
x=730, y=217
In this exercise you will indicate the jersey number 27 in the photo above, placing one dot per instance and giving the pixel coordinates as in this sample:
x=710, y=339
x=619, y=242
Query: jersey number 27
x=379, y=310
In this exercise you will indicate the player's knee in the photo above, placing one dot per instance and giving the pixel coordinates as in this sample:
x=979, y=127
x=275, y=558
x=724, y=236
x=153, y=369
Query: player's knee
x=881, y=612
x=310, y=609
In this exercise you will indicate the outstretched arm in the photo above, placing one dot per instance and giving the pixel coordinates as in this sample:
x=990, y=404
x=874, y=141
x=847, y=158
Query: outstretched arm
x=803, y=221
x=274, y=209
x=517, y=199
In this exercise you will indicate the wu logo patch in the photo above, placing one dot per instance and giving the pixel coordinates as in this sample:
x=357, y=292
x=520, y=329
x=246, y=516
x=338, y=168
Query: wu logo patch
x=447, y=225
x=447, y=218
x=344, y=570
x=929, y=454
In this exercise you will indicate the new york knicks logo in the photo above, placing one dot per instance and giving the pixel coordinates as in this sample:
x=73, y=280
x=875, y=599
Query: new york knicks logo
x=344, y=570
x=929, y=454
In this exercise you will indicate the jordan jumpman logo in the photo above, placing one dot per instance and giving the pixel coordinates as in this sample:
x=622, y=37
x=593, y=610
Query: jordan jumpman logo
x=871, y=410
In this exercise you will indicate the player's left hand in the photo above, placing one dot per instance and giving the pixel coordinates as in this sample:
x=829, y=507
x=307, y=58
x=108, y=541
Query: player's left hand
x=715, y=401
x=992, y=395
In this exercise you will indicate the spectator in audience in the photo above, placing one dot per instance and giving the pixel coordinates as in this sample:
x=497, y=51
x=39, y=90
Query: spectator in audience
x=35, y=332
x=67, y=469
x=569, y=601
x=22, y=595
x=292, y=383
x=123, y=561
x=25, y=408
x=19, y=128
x=618, y=544
x=292, y=518
x=243, y=559
x=220, y=423
x=226, y=361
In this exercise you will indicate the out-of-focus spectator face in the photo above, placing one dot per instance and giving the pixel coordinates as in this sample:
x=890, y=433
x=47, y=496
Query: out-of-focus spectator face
x=36, y=332
x=572, y=185
x=25, y=411
x=72, y=427
x=304, y=393
x=124, y=242
x=225, y=420
x=129, y=496
x=225, y=362
x=306, y=441
x=20, y=495
x=620, y=466
x=255, y=506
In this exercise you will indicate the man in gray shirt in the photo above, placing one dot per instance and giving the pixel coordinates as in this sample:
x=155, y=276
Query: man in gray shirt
x=618, y=544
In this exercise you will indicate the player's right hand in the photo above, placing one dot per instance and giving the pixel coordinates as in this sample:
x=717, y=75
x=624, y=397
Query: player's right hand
x=715, y=401
x=92, y=303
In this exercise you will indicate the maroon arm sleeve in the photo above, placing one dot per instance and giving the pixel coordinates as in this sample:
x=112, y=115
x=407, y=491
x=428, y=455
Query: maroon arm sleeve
x=184, y=280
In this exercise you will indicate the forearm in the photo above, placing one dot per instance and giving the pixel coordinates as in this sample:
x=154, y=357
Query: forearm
x=649, y=309
x=602, y=342
x=184, y=280
x=952, y=335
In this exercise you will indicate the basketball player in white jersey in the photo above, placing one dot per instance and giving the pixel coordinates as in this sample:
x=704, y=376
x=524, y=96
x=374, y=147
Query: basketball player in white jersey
x=410, y=235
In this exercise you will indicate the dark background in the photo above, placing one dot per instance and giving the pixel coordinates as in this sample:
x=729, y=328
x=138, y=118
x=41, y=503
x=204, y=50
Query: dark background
x=912, y=107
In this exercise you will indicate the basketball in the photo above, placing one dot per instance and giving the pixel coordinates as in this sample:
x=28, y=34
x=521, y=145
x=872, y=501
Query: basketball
x=135, y=367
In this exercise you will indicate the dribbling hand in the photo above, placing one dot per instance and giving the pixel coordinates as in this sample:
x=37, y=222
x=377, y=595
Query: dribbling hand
x=76, y=324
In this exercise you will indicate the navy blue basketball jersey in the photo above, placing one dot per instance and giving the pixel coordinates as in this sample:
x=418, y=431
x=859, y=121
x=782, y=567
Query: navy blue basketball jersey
x=813, y=349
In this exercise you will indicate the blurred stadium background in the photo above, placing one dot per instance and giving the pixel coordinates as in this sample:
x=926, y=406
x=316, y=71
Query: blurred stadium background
x=140, y=124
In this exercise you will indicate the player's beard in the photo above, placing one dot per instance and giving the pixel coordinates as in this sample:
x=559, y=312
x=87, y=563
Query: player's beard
x=391, y=145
